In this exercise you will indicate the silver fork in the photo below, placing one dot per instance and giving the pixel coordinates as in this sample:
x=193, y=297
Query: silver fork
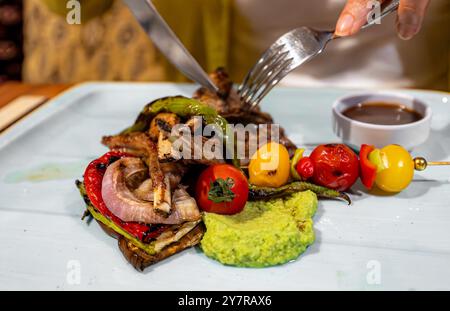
x=289, y=52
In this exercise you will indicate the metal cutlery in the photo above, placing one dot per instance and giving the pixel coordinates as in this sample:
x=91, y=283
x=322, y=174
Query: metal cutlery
x=168, y=43
x=289, y=52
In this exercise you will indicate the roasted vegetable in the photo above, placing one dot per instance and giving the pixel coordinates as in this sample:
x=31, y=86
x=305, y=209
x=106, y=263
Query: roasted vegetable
x=164, y=241
x=91, y=190
x=269, y=166
x=395, y=168
x=267, y=193
x=305, y=168
x=162, y=122
x=297, y=156
x=222, y=189
x=183, y=107
x=368, y=170
x=336, y=166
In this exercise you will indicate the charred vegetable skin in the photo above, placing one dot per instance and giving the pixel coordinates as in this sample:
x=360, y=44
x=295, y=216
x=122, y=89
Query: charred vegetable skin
x=336, y=166
x=183, y=107
x=93, y=178
x=136, y=241
x=267, y=193
x=138, y=254
x=141, y=259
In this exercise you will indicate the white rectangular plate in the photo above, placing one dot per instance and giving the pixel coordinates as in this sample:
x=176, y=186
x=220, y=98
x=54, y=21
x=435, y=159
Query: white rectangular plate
x=380, y=242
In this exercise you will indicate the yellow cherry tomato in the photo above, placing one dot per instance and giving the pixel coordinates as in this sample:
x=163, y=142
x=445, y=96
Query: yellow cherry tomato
x=269, y=166
x=395, y=168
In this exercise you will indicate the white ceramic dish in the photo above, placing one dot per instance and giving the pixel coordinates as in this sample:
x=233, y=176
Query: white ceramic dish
x=380, y=242
x=356, y=133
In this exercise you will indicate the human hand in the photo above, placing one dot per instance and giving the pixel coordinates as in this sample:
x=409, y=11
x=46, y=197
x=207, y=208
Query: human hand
x=410, y=16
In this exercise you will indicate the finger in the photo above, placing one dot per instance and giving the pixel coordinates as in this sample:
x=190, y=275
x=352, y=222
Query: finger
x=410, y=17
x=353, y=17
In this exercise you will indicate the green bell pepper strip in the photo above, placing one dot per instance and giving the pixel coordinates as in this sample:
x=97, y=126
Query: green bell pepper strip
x=183, y=107
x=266, y=193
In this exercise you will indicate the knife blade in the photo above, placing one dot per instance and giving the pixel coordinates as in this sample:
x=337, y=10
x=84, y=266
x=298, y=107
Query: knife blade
x=168, y=43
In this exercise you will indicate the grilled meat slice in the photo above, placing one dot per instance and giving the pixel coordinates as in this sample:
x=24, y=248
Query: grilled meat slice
x=227, y=101
x=197, y=150
x=162, y=122
x=174, y=171
x=229, y=105
x=244, y=117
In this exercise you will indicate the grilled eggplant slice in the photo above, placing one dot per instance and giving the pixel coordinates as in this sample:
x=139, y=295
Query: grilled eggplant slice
x=141, y=255
x=140, y=260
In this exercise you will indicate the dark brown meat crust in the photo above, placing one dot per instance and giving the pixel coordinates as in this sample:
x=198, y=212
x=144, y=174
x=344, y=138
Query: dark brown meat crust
x=227, y=101
x=229, y=105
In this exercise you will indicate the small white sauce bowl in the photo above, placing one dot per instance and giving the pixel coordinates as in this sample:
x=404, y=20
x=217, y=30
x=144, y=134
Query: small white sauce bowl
x=355, y=133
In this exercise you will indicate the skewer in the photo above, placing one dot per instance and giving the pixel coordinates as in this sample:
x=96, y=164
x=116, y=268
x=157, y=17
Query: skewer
x=420, y=164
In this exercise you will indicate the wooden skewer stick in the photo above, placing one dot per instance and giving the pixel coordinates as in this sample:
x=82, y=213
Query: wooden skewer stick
x=438, y=163
x=421, y=164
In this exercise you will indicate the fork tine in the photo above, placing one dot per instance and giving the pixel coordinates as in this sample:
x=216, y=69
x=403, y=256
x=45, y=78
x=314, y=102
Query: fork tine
x=301, y=44
x=261, y=87
x=273, y=70
x=258, y=66
x=267, y=71
x=270, y=84
x=257, y=69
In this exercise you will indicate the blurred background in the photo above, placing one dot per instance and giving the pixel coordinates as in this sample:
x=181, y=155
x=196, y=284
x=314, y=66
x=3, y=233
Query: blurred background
x=38, y=46
x=11, y=40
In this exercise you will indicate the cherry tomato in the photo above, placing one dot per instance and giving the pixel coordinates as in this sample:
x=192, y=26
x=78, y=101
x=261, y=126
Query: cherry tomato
x=395, y=168
x=305, y=168
x=222, y=189
x=336, y=166
x=269, y=166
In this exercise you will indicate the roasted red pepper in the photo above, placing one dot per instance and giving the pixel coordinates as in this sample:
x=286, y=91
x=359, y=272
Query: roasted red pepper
x=93, y=178
x=368, y=169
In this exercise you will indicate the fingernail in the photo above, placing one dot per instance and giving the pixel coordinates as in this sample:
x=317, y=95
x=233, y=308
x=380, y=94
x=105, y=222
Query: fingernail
x=408, y=24
x=345, y=25
x=405, y=32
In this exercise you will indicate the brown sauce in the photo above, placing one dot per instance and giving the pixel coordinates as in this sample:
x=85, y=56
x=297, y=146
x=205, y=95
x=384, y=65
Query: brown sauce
x=382, y=113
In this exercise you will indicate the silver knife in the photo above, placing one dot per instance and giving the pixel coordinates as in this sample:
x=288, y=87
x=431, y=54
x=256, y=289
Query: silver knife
x=168, y=43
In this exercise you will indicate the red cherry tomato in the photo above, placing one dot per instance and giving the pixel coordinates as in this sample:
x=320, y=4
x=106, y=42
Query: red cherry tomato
x=305, y=168
x=336, y=166
x=222, y=189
